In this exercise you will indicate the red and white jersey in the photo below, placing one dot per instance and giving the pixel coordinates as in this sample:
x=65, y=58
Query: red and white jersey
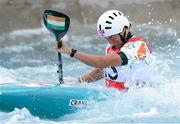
x=135, y=71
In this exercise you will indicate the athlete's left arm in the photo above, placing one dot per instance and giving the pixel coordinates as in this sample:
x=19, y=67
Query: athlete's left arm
x=98, y=61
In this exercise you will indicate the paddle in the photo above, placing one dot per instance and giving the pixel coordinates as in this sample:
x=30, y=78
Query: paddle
x=57, y=23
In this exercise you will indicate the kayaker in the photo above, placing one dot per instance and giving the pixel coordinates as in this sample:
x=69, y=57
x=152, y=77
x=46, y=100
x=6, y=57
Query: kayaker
x=126, y=59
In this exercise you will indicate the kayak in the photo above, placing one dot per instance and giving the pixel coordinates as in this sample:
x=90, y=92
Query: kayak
x=48, y=101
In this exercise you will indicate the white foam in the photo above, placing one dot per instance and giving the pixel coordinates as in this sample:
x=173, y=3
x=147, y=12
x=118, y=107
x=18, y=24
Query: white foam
x=137, y=103
x=18, y=48
x=27, y=32
x=7, y=76
x=152, y=112
x=21, y=116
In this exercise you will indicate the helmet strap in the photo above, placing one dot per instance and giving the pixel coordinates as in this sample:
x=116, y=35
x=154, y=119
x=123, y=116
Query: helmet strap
x=125, y=36
x=123, y=39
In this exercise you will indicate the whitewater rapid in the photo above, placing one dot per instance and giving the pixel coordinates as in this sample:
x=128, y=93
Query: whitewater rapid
x=33, y=59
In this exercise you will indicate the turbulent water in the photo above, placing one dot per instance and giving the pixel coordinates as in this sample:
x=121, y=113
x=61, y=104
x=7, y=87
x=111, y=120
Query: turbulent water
x=33, y=59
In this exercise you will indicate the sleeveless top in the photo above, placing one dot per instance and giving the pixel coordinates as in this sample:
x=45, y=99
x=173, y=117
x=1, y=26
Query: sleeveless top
x=138, y=55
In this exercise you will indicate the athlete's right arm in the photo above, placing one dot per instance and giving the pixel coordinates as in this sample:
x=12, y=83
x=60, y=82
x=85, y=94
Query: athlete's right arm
x=92, y=76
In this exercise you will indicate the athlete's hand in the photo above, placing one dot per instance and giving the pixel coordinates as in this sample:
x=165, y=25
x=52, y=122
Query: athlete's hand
x=63, y=49
x=71, y=81
x=81, y=79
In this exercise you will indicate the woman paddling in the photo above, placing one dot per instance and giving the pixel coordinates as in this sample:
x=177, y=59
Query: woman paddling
x=126, y=59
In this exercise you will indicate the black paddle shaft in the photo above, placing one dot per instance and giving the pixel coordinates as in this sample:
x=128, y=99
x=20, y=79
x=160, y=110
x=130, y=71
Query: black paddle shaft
x=60, y=66
x=60, y=69
x=57, y=23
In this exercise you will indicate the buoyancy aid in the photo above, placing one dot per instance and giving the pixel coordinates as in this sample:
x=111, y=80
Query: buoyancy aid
x=116, y=77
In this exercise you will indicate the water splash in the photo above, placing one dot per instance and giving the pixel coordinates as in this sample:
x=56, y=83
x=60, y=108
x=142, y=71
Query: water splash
x=159, y=103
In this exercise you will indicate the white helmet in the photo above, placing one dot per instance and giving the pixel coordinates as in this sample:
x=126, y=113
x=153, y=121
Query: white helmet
x=111, y=22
